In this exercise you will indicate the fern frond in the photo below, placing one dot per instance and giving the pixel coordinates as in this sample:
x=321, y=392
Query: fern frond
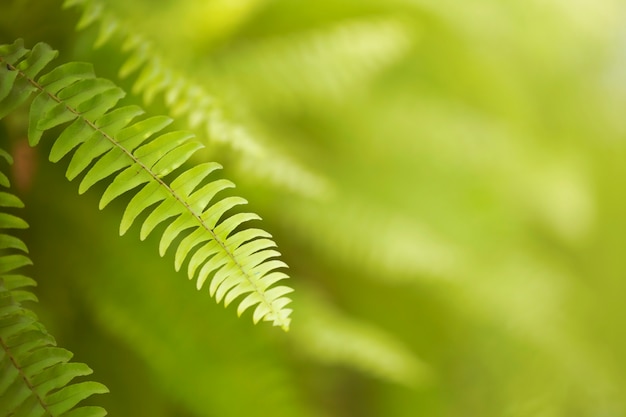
x=330, y=337
x=398, y=248
x=323, y=65
x=185, y=97
x=108, y=142
x=35, y=375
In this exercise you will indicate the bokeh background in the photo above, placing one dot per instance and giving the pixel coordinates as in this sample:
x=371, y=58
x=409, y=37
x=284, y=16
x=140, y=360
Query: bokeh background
x=445, y=179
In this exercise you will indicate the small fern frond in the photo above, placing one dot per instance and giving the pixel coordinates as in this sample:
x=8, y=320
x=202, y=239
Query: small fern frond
x=321, y=66
x=35, y=375
x=108, y=142
x=398, y=248
x=328, y=336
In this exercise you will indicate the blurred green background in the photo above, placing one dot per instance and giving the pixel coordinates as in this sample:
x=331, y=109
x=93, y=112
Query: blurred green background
x=445, y=179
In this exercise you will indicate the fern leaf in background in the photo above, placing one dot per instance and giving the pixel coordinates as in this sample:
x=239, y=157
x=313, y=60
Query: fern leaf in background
x=203, y=110
x=35, y=374
x=331, y=337
x=107, y=142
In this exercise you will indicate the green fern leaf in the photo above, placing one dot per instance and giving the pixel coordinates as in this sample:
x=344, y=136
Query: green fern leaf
x=35, y=375
x=108, y=28
x=110, y=146
x=11, y=242
x=20, y=87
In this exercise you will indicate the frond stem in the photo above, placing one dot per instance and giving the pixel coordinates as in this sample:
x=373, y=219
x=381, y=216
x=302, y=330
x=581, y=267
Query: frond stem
x=25, y=378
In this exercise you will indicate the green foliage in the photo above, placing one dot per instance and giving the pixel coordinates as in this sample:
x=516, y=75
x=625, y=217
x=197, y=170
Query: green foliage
x=241, y=262
x=443, y=179
x=35, y=374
